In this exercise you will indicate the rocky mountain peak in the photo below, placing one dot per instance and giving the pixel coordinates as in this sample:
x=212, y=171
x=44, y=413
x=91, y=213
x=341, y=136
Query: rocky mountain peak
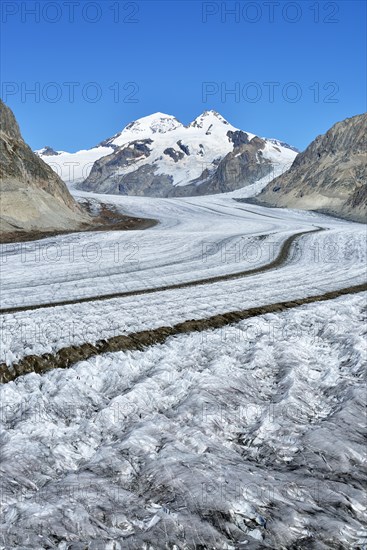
x=207, y=118
x=47, y=151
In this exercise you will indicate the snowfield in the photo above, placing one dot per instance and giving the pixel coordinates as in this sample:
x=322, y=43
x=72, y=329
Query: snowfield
x=249, y=436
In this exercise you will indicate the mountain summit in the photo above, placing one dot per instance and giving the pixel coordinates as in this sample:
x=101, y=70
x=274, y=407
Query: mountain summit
x=159, y=156
x=208, y=117
x=158, y=122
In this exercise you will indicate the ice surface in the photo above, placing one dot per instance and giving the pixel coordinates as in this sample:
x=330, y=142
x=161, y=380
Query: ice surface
x=196, y=239
x=252, y=433
x=250, y=436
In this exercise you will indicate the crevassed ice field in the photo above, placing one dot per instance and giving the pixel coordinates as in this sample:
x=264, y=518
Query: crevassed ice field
x=245, y=436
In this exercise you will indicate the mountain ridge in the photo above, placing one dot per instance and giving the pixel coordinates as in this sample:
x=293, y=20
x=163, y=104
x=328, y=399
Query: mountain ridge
x=157, y=155
x=33, y=197
x=329, y=176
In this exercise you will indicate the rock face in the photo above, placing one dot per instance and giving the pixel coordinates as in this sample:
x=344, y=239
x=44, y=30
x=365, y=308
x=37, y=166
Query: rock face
x=329, y=176
x=158, y=156
x=32, y=196
x=47, y=151
x=243, y=166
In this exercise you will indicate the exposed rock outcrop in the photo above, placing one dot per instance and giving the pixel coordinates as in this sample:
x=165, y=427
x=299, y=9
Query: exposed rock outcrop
x=32, y=196
x=329, y=176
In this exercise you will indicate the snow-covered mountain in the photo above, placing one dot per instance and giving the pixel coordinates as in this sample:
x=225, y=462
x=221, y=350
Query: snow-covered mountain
x=159, y=156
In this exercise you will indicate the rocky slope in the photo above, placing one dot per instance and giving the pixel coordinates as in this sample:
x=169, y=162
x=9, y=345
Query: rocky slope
x=158, y=156
x=329, y=176
x=32, y=196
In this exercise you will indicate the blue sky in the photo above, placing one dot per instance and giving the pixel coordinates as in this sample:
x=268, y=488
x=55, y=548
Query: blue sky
x=294, y=68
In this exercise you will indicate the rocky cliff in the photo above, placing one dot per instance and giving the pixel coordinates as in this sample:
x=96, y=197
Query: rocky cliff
x=329, y=176
x=32, y=196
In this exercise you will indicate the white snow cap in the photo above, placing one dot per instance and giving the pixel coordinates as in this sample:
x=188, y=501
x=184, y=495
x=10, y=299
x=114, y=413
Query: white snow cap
x=162, y=123
x=157, y=122
x=211, y=117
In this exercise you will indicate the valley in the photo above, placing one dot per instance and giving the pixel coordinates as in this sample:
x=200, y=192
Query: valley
x=173, y=374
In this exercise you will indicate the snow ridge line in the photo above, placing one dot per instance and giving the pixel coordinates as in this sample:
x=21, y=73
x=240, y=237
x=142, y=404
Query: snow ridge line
x=277, y=262
x=68, y=356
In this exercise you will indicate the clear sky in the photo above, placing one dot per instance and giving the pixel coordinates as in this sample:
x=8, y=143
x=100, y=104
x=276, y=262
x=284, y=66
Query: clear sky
x=294, y=68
